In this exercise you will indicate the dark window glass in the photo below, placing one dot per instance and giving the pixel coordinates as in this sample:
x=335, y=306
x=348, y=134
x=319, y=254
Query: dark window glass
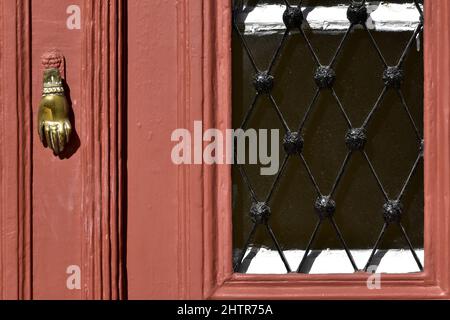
x=348, y=104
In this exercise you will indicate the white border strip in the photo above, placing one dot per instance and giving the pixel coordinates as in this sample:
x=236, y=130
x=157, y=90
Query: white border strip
x=383, y=17
x=328, y=261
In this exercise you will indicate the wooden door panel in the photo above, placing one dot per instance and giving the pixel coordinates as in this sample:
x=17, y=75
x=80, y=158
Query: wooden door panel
x=56, y=186
x=160, y=263
x=204, y=77
x=60, y=212
x=432, y=283
x=152, y=100
x=137, y=70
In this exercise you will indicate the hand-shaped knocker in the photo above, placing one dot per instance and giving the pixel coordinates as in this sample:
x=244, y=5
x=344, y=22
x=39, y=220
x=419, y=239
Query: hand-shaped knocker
x=53, y=117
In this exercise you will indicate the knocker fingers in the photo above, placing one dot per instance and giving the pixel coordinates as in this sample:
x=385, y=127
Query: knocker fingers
x=67, y=130
x=47, y=135
x=62, y=138
x=54, y=138
x=55, y=135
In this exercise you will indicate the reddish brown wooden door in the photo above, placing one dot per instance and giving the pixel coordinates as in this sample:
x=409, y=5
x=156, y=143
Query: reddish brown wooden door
x=116, y=206
x=159, y=250
x=184, y=220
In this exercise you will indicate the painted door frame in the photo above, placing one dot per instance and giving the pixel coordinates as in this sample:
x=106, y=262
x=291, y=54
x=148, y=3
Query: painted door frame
x=219, y=281
x=203, y=192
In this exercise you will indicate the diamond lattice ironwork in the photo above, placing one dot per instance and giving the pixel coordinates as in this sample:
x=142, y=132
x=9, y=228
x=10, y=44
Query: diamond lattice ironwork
x=355, y=139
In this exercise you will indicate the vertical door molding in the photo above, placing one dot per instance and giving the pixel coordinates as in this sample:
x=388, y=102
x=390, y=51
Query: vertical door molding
x=183, y=119
x=101, y=120
x=437, y=142
x=15, y=151
x=217, y=114
x=191, y=72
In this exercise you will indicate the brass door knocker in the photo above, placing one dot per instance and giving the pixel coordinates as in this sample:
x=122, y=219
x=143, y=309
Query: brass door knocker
x=53, y=117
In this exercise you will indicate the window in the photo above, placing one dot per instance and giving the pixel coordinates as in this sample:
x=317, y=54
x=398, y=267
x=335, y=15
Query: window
x=343, y=85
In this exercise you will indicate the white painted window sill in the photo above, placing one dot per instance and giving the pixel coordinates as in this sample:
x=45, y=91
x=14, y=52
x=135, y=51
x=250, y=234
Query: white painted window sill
x=265, y=261
x=383, y=17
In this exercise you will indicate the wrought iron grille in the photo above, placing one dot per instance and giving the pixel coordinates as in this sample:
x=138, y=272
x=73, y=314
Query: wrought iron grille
x=356, y=138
